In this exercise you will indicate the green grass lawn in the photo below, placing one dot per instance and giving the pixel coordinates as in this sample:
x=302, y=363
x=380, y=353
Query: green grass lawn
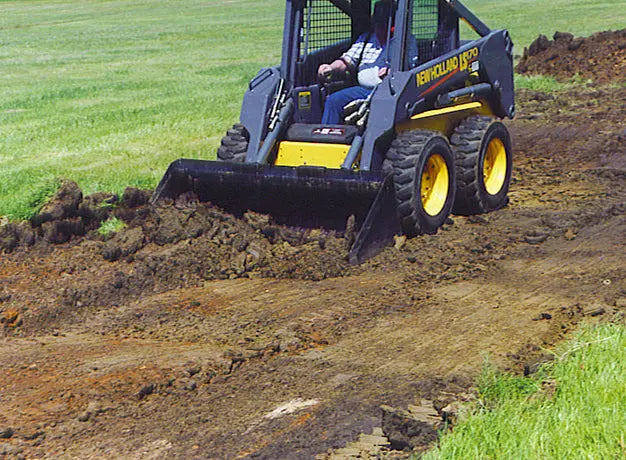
x=108, y=93
x=574, y=408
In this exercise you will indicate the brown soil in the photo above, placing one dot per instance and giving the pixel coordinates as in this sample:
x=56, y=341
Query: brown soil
x=180, y=334
x=600, y=57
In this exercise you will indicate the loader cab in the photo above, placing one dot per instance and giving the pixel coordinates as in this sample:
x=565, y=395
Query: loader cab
x=323, y=31
x=320, y=31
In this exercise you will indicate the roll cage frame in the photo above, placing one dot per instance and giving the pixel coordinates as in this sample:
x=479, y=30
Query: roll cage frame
x=359, y=14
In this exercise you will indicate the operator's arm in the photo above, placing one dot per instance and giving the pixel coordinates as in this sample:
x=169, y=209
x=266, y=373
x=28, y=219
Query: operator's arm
x=336, y=67
x=347, y=62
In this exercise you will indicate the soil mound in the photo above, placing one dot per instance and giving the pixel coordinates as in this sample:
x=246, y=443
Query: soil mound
x=65, y=216
x=600, y=57
x=170, y=243
x=213, y=244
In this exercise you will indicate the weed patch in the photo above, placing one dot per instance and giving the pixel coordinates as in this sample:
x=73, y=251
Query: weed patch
x=111, y=226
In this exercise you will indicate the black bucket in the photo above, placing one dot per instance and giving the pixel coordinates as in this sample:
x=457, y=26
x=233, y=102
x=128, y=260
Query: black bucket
x=310, y=197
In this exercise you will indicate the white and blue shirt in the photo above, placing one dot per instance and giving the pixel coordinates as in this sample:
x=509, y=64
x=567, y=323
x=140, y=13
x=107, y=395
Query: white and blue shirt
x=371, y=63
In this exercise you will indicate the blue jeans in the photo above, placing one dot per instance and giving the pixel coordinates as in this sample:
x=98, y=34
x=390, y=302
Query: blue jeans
x=337, y=101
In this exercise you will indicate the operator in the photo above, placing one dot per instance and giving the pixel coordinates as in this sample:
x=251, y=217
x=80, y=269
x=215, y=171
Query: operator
x=365, y=58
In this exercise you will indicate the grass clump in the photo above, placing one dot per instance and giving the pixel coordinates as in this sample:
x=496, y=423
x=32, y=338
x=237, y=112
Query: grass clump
x=542, y=83
x=494, y=387
x=111, y=226
x=27, y=198
x=572, y=408
x=548, y=84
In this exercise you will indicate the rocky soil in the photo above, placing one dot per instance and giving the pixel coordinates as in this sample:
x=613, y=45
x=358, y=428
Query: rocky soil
x=192, y=334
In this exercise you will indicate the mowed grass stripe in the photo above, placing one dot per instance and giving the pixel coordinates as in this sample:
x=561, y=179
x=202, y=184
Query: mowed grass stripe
x=108, y=93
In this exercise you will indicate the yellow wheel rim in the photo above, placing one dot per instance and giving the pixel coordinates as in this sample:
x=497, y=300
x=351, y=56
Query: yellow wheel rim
x=435, y=185
x=494, y=166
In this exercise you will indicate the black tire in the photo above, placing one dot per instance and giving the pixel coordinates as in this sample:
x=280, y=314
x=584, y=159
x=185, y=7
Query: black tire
x=481, y=146
x=234, y=145
x=416, y=157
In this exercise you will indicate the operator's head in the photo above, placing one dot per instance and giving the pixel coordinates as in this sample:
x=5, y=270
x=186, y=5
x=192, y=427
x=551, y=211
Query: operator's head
x=383, y=9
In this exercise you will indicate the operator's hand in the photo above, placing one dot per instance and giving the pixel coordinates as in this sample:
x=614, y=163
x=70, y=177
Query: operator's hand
x=324, y=71
x=382, y=73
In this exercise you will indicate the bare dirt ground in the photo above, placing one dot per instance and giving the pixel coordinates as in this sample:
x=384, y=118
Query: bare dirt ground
x=194, y=335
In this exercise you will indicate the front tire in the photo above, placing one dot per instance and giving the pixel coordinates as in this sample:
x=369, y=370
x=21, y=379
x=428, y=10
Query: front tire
x=234, y=145
x=484, y=160
x=423, y=175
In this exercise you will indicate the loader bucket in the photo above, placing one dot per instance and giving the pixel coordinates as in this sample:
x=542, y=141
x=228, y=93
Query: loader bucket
x=308, y=197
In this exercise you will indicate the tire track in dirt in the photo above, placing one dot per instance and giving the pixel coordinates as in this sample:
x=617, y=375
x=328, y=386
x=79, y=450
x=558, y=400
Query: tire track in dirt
x=457, y=317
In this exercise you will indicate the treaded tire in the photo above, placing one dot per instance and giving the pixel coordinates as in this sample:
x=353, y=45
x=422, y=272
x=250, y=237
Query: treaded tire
x=410, y=154
x=470, y=142
x=234, y=145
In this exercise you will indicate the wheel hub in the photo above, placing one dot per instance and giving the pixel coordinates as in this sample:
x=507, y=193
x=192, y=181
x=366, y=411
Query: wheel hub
x=494, y=166
x=434, y=185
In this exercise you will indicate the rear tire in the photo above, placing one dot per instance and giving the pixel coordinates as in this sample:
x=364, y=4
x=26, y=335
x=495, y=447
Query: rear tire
x=234, y=145
x=423, y=176
x=484, y=160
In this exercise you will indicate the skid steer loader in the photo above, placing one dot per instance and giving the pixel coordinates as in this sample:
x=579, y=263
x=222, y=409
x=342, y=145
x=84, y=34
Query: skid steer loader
x=425, y=143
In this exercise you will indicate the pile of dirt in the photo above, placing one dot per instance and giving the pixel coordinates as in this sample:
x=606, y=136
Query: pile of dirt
x=67, y=215
x=171, y=241
x=600, y=57
x=218, y=245
x=164, y=246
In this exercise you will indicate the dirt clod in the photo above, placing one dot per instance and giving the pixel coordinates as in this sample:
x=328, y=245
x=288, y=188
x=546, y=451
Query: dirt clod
x=407, y=429
x=35, y=435
x=595, y=311
x=124, y=244
x=542, y=316
x=133, y=197
x=145, y=390
x=566, y=36
x=534, y=364
x=536, y=237
x=64, y=204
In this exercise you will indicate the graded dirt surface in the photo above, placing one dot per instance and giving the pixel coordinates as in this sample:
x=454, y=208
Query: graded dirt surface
x=190, y=334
